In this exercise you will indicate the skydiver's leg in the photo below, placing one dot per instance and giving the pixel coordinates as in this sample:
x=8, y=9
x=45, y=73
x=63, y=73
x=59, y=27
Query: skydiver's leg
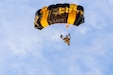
x=68, y=42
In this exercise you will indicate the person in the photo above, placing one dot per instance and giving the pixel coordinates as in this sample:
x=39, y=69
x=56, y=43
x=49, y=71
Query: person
x=66, y=39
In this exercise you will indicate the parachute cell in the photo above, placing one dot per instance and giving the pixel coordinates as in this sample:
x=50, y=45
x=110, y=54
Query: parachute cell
x=59, y=13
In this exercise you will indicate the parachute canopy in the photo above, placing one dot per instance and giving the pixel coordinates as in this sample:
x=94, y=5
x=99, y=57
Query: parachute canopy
x=59, y=13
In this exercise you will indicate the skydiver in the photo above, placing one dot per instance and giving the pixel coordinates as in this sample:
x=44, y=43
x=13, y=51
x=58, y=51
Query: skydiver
x=66, y=39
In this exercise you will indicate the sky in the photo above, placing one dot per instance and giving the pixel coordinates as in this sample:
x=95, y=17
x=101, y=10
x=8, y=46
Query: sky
x=25, y=50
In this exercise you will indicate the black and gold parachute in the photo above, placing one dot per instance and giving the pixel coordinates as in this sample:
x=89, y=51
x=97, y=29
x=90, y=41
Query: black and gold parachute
x=59, y=13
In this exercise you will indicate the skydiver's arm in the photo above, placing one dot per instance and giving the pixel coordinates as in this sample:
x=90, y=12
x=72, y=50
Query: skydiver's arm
x=69, y=36
x=62, y=36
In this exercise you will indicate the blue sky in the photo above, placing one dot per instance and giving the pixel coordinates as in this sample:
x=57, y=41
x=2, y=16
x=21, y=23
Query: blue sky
x=25, y=50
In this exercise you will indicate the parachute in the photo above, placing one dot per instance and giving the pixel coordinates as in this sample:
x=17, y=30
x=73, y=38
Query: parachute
x=59, y=13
